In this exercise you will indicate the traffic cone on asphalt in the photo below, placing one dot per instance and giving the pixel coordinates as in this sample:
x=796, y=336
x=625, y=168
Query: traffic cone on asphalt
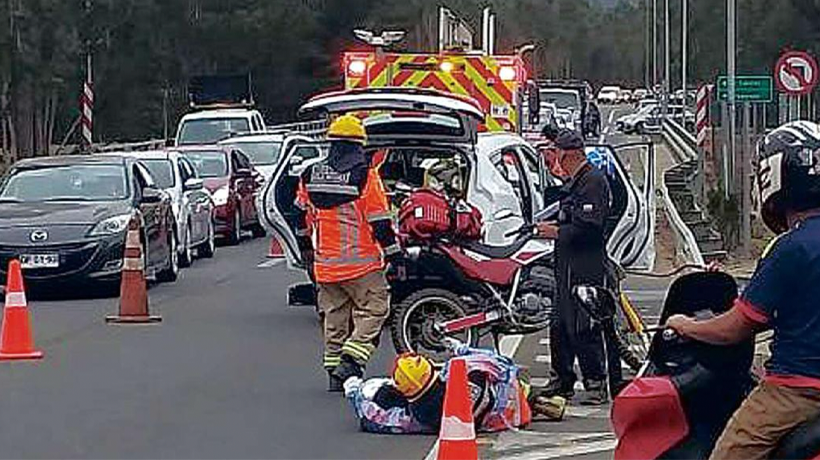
x=456, y=440
x=16, y=338
x=133, y=288
x=275, y=251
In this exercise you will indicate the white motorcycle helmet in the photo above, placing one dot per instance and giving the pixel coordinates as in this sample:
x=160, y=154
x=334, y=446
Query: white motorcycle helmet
x=788, y=172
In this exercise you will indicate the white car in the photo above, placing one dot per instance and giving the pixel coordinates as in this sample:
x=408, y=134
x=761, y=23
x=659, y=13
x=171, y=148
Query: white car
x=213, y=125
x=263, y=150
x=640, y=94
x=499, y=173
x=609, y=95
x=191, y=203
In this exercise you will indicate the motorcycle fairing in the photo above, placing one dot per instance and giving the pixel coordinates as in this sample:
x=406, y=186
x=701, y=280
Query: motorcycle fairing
x=642, y=435
x=480, y=267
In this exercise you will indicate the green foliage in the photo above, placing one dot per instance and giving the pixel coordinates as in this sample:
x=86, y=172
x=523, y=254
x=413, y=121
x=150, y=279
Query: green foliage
x=145, y=50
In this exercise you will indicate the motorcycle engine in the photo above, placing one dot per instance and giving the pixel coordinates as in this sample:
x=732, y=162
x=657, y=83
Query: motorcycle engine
x=534, y=303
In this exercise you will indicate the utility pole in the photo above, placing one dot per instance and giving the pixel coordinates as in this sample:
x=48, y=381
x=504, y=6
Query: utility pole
x=654, y=44
x=666, y=53
x=684, y=49
x=647, y=47
x=731, y=45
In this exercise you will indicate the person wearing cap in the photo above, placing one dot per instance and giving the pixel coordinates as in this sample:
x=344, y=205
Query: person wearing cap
x=581, y=251
x=345, y=233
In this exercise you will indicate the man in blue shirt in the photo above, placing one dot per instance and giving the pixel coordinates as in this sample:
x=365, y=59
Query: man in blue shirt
x=783, y=295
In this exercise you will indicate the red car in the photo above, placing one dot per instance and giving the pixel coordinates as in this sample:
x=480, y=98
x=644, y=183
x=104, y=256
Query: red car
x=233, y=182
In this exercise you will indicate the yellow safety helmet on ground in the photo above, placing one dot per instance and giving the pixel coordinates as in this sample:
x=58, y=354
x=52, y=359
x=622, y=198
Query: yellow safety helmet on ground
x=347, y=128
x=413, y=375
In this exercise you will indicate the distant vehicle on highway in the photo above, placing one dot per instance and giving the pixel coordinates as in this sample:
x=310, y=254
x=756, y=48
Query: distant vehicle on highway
x=568, y=103
x=625, y=96
x=192, y=204
x=234, y=183
x=211, y=126
x=65, y=218
x=264, y=150
x=640, y=94
x=609, y=95
x=648, y=119
x=223, y=107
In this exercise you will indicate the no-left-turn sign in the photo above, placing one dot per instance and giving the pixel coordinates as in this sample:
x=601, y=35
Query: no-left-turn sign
x=796, y=73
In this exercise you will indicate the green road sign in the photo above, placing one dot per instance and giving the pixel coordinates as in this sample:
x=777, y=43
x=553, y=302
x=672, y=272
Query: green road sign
x=747, y=89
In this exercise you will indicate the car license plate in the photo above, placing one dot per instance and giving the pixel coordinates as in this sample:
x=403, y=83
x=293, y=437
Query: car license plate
x=40, y=260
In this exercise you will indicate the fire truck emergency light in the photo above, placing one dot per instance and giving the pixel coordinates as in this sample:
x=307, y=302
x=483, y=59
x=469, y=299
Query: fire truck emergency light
x=446, y=66
x=356, y=68
x=507, y=73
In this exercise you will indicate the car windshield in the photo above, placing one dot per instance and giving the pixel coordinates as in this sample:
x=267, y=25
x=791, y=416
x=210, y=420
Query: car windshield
x=209, y=163
x=211, y=130
x=162, y=171
x=80, y=182
x=562, y=100
x=260, y=152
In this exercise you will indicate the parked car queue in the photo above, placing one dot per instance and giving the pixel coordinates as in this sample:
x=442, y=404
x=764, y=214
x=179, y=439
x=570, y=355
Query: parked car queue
x=65, y=218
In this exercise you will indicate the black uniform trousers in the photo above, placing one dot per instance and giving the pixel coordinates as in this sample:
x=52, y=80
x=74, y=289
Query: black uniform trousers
x=581, y=253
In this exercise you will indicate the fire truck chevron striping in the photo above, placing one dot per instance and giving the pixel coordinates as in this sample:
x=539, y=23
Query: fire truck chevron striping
x=493, y=81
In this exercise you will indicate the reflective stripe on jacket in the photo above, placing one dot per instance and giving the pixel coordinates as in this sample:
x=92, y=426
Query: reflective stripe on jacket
x=344, y=244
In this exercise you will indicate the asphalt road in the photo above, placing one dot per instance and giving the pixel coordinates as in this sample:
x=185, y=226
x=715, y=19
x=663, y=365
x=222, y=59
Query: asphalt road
x=231, y=372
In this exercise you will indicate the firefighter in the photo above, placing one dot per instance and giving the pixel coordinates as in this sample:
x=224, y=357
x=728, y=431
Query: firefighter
x=581, y=252
x=346, y=237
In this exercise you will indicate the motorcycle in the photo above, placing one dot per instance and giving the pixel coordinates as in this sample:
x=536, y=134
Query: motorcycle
x=467, y=290
x=683, y=397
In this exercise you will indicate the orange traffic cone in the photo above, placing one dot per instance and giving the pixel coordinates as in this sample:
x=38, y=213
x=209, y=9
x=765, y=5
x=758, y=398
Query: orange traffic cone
x=275, y=251
x=133, y=288
x=456, y=440
x=16, y=338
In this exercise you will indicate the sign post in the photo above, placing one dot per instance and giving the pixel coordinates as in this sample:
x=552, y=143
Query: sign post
x=796, y=74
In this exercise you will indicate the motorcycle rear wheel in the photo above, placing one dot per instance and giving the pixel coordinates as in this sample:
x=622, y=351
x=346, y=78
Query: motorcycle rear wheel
x=413, y=319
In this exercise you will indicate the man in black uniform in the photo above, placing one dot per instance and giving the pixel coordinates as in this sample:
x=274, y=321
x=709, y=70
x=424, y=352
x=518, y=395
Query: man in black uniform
x=581, y=252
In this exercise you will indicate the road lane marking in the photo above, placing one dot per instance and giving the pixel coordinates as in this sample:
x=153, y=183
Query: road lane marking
x=508, y=345
x=270, y=263
x=526, y=445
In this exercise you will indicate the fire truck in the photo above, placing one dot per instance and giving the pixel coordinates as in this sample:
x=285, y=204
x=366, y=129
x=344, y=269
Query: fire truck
x=498, y=82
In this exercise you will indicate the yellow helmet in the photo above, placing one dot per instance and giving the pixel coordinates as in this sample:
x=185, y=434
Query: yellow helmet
x=413, y=375
x=347, y=128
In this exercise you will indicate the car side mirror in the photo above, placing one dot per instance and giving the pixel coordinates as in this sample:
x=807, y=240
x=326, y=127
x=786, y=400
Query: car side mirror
x=151, y=195
x=193, y=184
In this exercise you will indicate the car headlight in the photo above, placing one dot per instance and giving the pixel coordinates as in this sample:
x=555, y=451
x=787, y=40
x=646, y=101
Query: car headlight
x=112, y=225
x=221, y=196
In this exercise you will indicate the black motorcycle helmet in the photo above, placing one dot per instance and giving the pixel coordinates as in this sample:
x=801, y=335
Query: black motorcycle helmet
x=788, y=172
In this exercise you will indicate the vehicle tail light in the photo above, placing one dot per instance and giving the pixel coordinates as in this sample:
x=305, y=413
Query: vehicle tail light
x=507, y=73
x=356, y=68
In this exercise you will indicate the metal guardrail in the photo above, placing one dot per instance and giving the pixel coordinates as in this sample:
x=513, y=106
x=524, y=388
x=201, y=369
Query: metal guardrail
x=154, y=144
x=683, y=143
x=314, y=129
x=683, y=146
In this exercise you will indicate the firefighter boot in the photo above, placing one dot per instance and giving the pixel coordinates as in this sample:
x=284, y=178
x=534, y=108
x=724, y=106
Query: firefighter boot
x=558, y=387
x=348, y=368
x=334, y=385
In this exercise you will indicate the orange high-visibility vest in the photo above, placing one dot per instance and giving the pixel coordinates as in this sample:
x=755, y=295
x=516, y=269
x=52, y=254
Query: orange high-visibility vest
x=343, y=242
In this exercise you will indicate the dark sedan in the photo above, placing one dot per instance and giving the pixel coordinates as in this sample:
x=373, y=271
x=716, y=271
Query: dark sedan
x=66, y=218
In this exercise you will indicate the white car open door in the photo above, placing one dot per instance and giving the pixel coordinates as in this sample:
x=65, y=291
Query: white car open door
x=631, y=229
x=456, y=120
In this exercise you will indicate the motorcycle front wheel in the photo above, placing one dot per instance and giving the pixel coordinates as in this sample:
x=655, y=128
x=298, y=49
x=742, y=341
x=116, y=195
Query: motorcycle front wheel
x=413, y=320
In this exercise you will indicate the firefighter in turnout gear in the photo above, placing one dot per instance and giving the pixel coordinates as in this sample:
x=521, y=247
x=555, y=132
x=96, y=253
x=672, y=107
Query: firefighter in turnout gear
x=346, y=237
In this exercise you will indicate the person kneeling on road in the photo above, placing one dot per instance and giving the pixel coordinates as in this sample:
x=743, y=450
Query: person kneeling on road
x=412, y=400
x=345, y=213
x=782, y=295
